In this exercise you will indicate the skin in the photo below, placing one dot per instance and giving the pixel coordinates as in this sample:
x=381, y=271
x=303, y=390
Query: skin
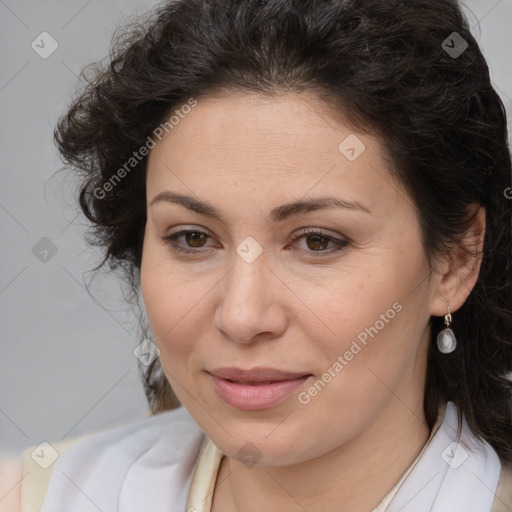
x=246, y=154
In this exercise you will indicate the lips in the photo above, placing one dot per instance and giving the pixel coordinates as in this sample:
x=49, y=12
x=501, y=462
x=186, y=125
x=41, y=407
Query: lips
x=250, y=383
x=256, y=376
x=257, y=388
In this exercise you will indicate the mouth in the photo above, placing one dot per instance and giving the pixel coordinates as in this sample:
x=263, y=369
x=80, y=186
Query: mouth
x=256, y=389
x=256, y=375
x=250, y=383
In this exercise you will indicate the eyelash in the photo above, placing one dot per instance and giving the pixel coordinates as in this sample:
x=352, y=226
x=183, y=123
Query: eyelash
x=340, y=244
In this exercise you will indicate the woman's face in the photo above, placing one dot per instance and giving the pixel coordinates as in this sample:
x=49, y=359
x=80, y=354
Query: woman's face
x=347, y=316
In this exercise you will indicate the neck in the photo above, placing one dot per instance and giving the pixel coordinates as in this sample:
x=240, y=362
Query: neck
x=354, y=477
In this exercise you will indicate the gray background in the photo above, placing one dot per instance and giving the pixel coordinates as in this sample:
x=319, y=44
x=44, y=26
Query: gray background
x=66, y=360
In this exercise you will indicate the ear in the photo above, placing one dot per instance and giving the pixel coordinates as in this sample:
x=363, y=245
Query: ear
x=458, y=272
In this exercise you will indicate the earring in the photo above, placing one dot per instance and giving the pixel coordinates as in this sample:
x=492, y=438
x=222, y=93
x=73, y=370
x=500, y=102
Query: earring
x=446, y=341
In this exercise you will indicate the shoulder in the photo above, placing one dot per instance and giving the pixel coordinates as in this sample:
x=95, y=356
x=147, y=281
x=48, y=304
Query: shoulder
x=102, y=467
x=503, y=500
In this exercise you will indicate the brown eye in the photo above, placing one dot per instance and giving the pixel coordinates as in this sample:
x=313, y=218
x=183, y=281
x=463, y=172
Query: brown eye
x=317, y=243
x=195, y=238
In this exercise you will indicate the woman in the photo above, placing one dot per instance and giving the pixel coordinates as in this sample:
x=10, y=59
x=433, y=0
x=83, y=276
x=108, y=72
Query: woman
x=311, y=198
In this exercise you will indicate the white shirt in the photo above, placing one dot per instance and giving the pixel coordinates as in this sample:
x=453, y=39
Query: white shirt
x=165, y=463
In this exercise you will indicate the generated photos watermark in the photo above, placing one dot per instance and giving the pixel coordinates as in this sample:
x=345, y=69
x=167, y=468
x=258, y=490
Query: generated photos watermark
x=143, y=151
x=355, y=348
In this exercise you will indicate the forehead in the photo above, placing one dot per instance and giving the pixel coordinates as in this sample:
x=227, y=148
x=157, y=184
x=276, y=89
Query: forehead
x=266, y=145
x=250, y=124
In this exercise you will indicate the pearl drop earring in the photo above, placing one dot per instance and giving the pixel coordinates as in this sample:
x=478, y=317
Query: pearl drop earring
x=446, y=341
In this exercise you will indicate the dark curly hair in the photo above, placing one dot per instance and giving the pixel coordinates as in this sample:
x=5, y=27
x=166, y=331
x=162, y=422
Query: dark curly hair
x=384, y=65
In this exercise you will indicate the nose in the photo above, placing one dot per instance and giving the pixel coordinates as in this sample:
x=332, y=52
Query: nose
x=250, y=307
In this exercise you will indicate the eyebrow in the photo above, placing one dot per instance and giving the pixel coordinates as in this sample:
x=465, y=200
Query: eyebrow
x=278, y=214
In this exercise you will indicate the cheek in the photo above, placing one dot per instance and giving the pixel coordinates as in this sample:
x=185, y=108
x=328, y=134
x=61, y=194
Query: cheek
x=350, y=304
x=176, y=306
x=365, y=317
x=163, y=296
